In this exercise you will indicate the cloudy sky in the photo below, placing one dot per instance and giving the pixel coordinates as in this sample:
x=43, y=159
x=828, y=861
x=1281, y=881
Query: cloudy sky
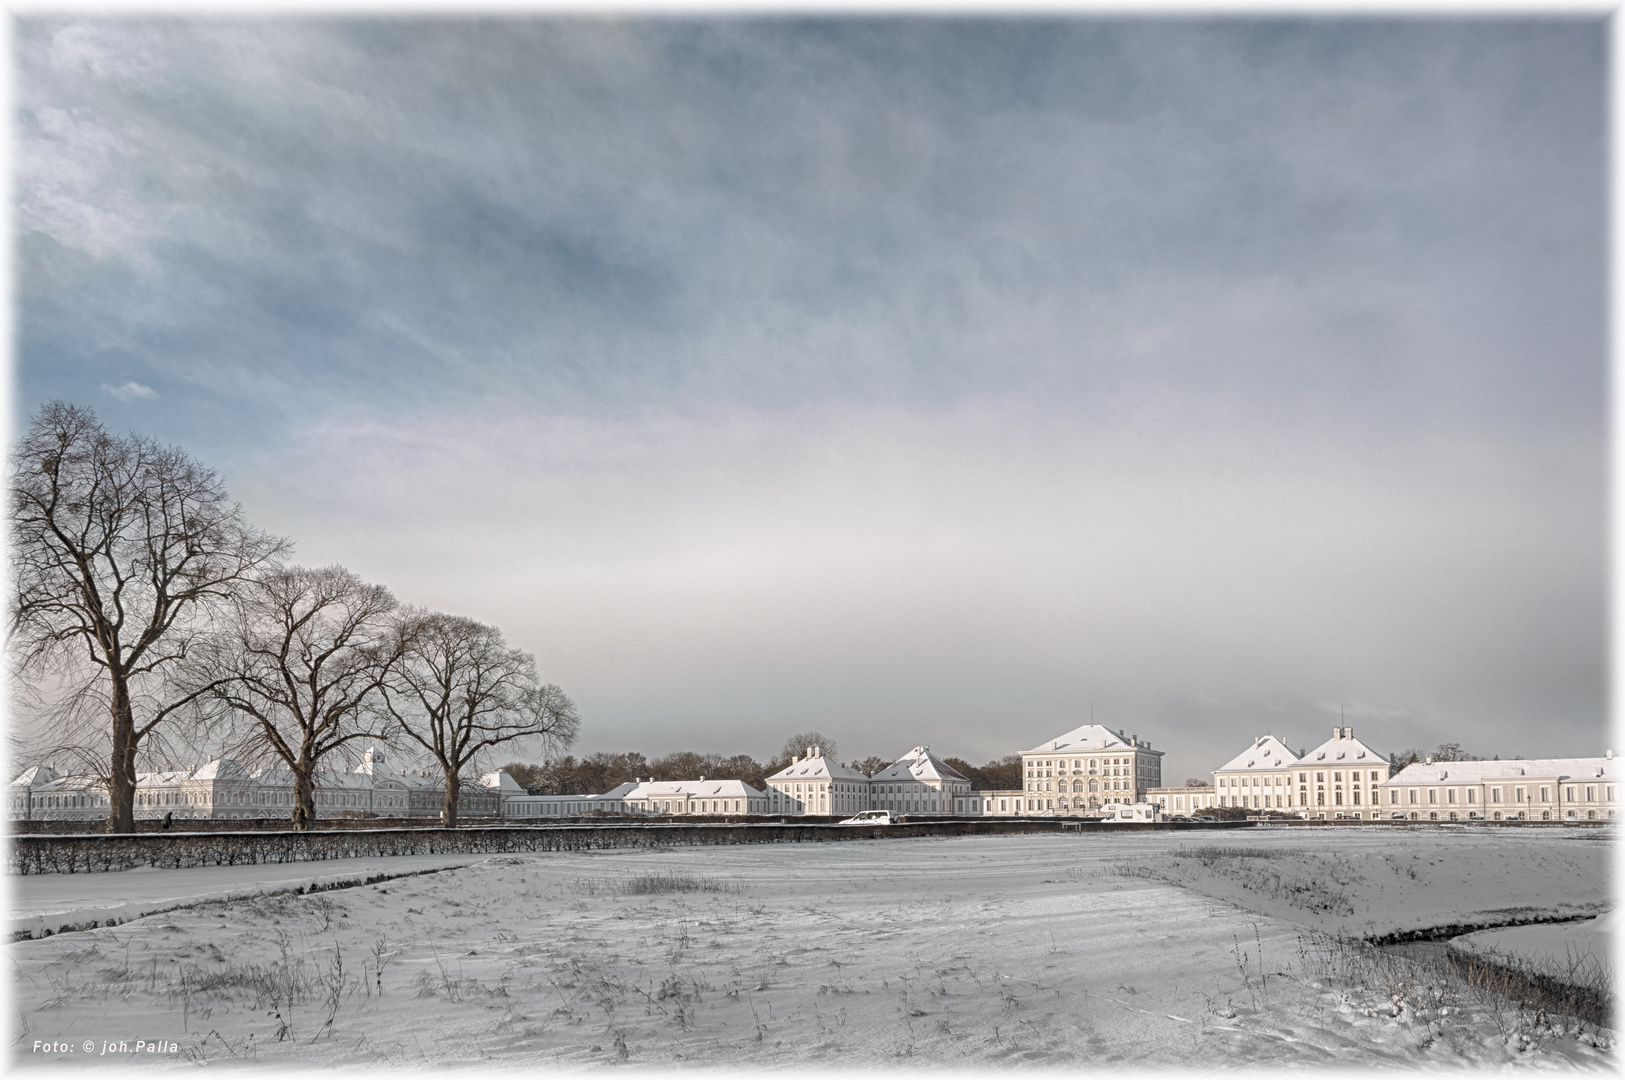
x=916, y=381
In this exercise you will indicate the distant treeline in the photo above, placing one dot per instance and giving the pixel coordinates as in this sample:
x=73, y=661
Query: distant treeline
x=602, y=771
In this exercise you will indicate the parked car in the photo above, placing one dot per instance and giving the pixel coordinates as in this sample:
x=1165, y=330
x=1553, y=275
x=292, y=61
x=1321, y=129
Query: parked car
x=870, y=817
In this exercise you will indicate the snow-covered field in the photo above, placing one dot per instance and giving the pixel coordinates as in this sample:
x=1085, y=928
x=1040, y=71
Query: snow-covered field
x=1010, y=949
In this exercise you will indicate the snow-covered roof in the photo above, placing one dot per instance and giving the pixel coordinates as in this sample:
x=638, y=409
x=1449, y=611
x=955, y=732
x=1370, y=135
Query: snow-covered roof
x=502, y=782
x=1473, y=772
x=619, y=791
x=73, y=782
x=220, y=769
x=1087, y=737
x=1267, y=752
x=918, y=764
x=165, y=778
x=1343, y=749
x=698, y=789
x=38, y=776
x=815, y=766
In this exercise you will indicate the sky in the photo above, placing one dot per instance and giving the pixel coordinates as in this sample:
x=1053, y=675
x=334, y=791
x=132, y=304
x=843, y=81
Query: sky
x=919, y=380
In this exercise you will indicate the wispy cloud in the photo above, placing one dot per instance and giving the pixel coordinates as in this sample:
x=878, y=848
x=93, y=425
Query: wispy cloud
x=131, y=391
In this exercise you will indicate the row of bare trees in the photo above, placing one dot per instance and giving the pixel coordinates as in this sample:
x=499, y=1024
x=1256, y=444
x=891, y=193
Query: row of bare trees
x=149, y=618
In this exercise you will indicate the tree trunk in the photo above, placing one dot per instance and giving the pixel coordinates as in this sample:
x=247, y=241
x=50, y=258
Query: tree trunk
x=121, y=769
x=454, y=791
x=304, y=795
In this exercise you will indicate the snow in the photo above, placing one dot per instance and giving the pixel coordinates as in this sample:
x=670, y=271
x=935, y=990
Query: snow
x=1375, y=882
x=50, y=902
x=1025, y=950
x=1559, y=948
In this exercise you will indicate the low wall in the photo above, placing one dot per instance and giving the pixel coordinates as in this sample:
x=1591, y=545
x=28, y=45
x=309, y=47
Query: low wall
x=100, y=852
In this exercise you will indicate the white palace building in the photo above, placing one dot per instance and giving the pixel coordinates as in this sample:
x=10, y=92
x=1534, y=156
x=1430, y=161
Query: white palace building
x=1084, y=772
x=222, y=789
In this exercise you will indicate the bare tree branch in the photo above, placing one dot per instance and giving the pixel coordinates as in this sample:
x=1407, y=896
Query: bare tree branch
x=124, y=553
x=457, y=690
x=301, y=669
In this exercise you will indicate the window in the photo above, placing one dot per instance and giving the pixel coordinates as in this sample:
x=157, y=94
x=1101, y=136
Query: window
x=1495, y=797
x=1393, y=795
x=1472, y=795
x=1413, y=796
x=1517, y=795
x=1543, y=796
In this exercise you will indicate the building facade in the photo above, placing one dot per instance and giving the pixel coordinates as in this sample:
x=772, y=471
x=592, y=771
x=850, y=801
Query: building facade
x=813, y=784
x=222, y=789
x=1086, y=768
x=1184, y=801
x=1258, y=778
x=919, y=782
x=1541, y=789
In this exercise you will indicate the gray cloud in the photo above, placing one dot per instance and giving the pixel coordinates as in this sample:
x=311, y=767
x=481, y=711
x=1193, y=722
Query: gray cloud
x=1215, y=371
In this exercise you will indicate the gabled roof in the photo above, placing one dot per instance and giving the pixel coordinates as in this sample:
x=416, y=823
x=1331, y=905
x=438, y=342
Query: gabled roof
x=220, y=769
x=1472, y=772
x=918, y=764
x=1343, y=749
x=1088, y=737
x=38, y=776
x=501, y=781
x=815, y=766
x=1267, y=752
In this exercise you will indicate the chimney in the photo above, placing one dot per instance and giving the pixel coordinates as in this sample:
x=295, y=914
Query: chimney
x=1429, y=760
x=1609, y=755
x=1255, y=742
x=702, y=779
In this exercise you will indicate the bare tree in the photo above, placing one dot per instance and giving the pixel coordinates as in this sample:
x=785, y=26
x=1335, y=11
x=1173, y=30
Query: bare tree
x=123, y=552
x=304, y=665
x=796, y=745
x=457, y=690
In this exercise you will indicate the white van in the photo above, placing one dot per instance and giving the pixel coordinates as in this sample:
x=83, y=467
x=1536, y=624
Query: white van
x=1122, y=812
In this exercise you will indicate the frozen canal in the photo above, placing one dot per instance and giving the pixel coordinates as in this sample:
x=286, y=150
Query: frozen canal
x=1014, y=949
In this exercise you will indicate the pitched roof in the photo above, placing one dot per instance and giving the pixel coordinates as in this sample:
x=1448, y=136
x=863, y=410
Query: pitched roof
x=1473, y=772
x=918, y=764
x=502, y=782
x=1343, y=749
x=1087, y=737
x=38, y=776
x=220, y=769
x=1267, y=752
x=815, y=766
x=698, y=789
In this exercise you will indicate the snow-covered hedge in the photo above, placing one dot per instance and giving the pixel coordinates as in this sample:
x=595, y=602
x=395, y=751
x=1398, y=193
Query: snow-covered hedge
x=101, y=852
